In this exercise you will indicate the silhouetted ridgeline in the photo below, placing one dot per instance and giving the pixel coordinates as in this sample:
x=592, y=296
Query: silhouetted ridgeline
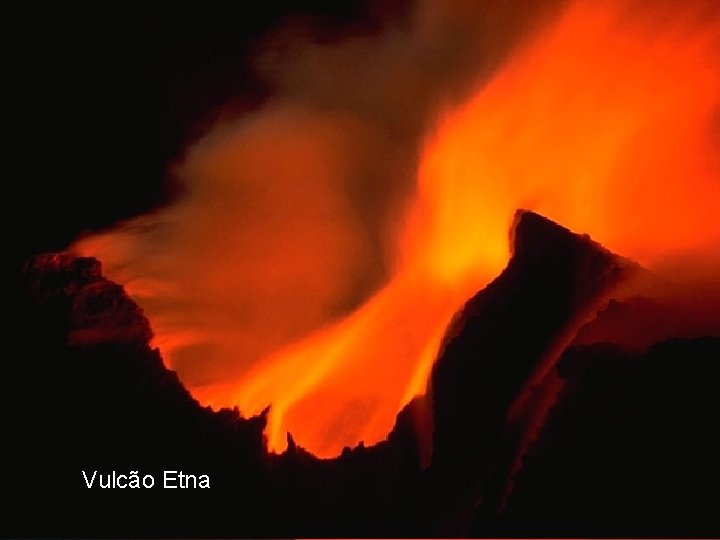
x=627, y=447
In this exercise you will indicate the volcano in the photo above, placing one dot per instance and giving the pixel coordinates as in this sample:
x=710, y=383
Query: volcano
x=273, y=280
x=611, y=440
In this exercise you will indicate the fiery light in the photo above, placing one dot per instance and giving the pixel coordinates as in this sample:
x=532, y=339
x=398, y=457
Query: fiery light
x=607, y=122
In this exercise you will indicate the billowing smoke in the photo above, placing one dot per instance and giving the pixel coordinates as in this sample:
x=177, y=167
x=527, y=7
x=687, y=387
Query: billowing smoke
x=300, y=200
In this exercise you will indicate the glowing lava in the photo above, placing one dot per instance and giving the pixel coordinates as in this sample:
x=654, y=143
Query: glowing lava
x=607, y=122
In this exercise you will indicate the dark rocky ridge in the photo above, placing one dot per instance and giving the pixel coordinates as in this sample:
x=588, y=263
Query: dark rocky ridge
x=502, y=335
x=87, y=393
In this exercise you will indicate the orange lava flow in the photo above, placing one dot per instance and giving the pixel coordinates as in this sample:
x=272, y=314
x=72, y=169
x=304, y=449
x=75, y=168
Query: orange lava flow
x=607, y=121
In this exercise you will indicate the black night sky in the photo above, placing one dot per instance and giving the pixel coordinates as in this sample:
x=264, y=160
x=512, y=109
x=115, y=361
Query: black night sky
x=115, y=96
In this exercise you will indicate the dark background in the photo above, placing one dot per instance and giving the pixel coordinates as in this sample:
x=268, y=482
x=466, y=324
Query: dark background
x=109, y=98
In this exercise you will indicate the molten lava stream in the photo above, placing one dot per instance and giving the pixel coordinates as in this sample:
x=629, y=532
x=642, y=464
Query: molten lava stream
x=372, y=363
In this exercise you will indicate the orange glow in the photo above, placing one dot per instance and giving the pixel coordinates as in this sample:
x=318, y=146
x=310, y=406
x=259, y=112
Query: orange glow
x=607, y=122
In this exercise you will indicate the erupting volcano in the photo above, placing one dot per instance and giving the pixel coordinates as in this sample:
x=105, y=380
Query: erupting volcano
x=372, y=269
x=604, y=119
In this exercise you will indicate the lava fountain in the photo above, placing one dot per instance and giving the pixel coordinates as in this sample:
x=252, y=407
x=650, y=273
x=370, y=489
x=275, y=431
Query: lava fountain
x=607, y=121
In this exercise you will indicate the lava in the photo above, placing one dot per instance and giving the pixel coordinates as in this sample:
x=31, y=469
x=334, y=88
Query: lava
x=606, y=121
